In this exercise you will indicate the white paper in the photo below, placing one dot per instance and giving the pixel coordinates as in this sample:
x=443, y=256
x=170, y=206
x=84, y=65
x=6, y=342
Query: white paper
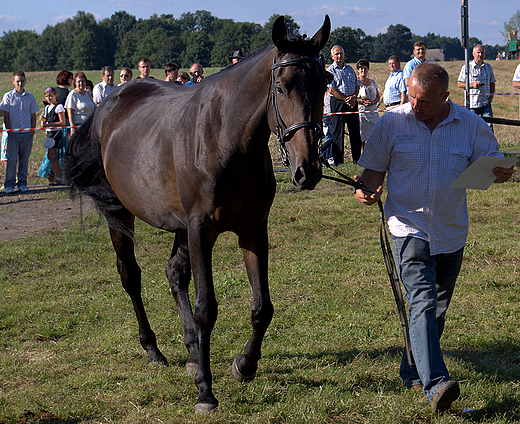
x=480, y=175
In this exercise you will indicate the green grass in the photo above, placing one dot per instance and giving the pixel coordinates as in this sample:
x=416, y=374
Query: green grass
x=69, y=340
x=69, y=343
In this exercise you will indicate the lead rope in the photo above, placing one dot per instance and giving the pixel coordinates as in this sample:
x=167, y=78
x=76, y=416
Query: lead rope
x=388, y=258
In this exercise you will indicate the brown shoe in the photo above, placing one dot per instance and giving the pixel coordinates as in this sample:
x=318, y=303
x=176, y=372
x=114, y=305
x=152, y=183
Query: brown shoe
x=417, y=387
x=445, y=396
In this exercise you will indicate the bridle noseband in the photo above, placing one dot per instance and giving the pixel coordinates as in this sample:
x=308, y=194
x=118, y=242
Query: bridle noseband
x=282, y=132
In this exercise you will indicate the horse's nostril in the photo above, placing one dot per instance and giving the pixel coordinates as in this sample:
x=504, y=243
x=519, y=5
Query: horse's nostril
x=299, y=175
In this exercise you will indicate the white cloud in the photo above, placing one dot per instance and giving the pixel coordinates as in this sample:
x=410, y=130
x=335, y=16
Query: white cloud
x=11, y=18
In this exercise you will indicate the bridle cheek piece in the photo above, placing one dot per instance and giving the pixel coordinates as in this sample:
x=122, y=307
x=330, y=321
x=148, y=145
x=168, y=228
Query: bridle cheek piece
x=282, y=131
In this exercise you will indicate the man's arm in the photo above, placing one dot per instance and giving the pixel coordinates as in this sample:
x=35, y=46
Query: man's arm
x=7, y=120
x=516, y=84
x=491, y=90
x=403, y=97
x=33, y=122
x=373, y=180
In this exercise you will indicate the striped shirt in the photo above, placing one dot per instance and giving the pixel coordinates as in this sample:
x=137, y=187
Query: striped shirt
x=421, y=165
x=345, y=79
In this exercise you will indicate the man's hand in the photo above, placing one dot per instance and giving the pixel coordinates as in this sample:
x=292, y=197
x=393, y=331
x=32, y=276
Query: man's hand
x=372, y=180
x=503, y=174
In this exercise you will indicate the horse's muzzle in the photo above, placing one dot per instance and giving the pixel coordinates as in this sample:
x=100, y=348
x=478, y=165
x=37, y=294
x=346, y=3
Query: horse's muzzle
x=307, y=176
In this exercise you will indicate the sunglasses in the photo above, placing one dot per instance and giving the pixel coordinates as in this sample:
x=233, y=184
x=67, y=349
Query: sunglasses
x=124, y=75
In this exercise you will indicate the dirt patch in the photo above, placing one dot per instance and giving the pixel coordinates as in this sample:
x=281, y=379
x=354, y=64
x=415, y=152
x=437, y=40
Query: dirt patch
x=41, y=209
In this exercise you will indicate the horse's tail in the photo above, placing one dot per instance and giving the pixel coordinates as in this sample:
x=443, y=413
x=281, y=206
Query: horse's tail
x=84, y=172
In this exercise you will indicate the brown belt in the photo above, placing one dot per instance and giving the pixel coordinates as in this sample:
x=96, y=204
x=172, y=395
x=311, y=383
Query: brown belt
x=392, y=104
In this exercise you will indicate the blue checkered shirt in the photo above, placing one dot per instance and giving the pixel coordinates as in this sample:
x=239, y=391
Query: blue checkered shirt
x=345, y=79
x=421, y=165
x=394, y=86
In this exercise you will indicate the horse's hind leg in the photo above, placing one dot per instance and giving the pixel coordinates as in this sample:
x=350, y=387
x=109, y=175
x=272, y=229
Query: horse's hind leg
x=178, y=272
x=255, y=249
x=131, y=279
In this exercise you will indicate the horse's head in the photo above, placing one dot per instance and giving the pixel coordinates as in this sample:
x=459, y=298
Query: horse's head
x=297, y=88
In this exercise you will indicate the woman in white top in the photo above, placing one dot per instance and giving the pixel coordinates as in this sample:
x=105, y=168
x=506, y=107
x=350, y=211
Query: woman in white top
x=368, y=99
x=79, y=103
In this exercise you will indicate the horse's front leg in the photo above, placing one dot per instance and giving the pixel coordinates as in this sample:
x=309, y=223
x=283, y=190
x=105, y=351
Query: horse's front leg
x=255, y=249
x=201, y=239
x=178, y=272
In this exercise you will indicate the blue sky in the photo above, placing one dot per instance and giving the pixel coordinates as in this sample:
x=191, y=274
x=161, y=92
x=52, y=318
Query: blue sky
x=421, y=16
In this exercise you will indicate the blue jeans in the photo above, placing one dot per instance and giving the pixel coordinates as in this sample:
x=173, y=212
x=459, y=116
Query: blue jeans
x=19, y=146
x=485, y=111
x=326, y=147
x=428, y=286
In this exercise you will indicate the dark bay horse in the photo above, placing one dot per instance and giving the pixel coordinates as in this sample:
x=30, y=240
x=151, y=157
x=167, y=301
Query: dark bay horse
x=195, y=161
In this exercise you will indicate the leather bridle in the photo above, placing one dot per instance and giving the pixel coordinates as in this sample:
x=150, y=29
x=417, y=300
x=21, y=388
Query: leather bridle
x=282, y=131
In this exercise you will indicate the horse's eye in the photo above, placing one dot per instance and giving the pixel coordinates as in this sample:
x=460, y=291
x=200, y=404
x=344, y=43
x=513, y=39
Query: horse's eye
x=279, y=90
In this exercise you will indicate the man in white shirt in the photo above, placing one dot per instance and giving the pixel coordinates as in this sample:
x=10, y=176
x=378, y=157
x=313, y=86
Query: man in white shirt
x=481, y=83
x=105, y=87
x=20, y=109
x=516, y=78
x=423, y=146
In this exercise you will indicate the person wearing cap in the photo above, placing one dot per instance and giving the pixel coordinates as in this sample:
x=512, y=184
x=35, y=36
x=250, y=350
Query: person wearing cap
x=236, y=57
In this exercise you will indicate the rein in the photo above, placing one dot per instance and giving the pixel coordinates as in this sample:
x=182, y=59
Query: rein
x=282, y=131
x=388, y=258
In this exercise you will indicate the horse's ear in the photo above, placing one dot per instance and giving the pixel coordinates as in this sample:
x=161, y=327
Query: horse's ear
x=280, y=33
x=322, y=36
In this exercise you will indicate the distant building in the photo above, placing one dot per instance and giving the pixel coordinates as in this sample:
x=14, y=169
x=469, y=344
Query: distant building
x=435, y=55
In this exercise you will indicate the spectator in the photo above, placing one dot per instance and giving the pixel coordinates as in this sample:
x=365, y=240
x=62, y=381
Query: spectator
x=172, y=72
x=326, y=146
x=236, y=57
x=125, y=75
x=419, y=52
x=516, y=78
x=344, y=90
x=395, y=88
x=54, y=116
x=79, y=103
x=105, y=87
x=145, y=67
x=428, y=220
x=64, y=80
x=368, y=99
x=183, y=78
x=196, y=72
x=3, y=148
x=90, y=89
x=481, y=83
x=20, y=110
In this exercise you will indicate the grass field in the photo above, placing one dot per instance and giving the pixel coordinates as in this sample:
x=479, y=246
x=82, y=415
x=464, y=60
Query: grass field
x=69, y=349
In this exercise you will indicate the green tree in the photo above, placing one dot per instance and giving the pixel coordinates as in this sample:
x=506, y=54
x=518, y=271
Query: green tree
x=512, y=25
x=12, y=44
x=198, y=48
x=233, y=36
x=350, y=39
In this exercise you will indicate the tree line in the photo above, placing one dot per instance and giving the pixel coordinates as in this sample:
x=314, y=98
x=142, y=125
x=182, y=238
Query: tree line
x=121, y=40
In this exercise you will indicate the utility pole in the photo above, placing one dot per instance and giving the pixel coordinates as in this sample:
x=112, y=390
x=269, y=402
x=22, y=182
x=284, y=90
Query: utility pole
x=464, y=26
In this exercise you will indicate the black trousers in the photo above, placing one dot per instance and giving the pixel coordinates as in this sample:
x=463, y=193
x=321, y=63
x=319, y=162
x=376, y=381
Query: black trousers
x=337, y=129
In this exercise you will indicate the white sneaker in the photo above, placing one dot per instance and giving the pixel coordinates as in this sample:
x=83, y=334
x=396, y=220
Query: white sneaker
x=331, y=161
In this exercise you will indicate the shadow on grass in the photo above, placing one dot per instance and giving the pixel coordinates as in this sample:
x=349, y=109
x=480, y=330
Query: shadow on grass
x=44, y=417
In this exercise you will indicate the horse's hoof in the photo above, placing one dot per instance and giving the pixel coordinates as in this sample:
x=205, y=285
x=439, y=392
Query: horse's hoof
x=191, y=368
x=238, y=375
x=159, y=360
x=204, y=408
